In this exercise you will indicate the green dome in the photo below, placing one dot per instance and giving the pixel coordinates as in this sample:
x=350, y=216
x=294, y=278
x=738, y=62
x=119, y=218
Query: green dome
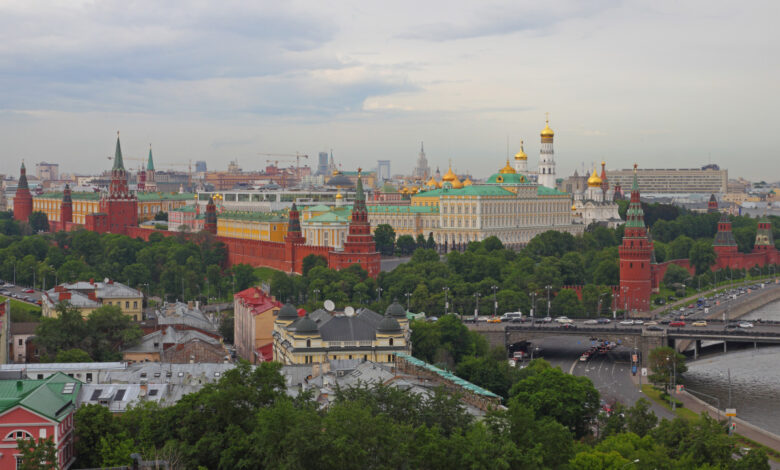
x=287, y=312
x=395, y=310
x=507, y=178
x=306, y=326
x=388, y=325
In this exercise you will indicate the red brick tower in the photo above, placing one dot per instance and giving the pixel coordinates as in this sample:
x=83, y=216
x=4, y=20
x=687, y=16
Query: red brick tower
x=359, y=248
x=765, y=240
x=119, y=205
x=141, y=186
x=23, y=199
x=712, y=204
x=210, y=224
x=293, y=240
x=66, y=208
x=724, y=244
x=635, y=257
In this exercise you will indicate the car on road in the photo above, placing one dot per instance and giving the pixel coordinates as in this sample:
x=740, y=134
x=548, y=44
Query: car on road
x=479, y=319
x=677, y=323
x=627, y=322
x=569, y=326
x=745, y=324
x=591, y=322
x=494, y=320
x=654, y=328
x=29, y=291
x=699, y=323
x=584, y=357
x=602, y=320
x=510, y=316
x=639, y=322
x=651, y=323
x=546, y=320
x=564, y=320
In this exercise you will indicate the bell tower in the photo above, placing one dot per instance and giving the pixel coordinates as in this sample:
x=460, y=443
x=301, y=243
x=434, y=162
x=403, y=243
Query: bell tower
x=119, y=205
x=547, y=157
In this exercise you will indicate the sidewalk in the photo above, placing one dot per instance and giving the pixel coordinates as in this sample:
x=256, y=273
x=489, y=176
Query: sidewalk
x=744, y=428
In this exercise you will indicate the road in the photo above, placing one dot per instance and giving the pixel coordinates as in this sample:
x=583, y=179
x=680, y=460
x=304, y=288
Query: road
x=610, y=374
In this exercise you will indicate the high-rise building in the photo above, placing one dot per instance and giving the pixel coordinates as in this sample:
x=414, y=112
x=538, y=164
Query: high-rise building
x=47, y=171
x=322, y=164
x=547, y=158
x=382, y=171
x=200, y=166
x=422, y=171
x=709, y=179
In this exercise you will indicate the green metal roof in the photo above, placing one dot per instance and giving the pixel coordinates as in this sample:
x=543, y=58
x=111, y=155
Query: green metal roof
x=74, y=196
x=339, y=216
x=257, y=216
x=187, y=209
x=448, y=375
x=165, y=196
x=473, y=190
x=545, y=191
x=150, y=163
x=396, y=209
x=317, y=208
x=508, y=178
x=46, y=397
x=118, y=163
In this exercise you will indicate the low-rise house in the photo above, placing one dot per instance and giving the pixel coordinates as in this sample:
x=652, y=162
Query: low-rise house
x=86, y=296
x=175, y=345
x=21, y=334
x=38, y=409
x=118, y=398
x=186, y=315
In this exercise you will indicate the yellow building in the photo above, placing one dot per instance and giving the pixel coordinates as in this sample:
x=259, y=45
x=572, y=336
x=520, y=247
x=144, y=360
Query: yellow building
x=323, y=336
x=325, y=226
x=263, y=226
x=87, y=296
x=149, y=204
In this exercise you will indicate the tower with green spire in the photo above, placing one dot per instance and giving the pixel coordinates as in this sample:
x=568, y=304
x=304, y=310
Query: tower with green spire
x=119, y=205
x=359, y=247
x=150, y=185
x=636, y=254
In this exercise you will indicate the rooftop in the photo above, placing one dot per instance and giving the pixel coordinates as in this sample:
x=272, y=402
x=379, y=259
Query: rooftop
x=53, y=397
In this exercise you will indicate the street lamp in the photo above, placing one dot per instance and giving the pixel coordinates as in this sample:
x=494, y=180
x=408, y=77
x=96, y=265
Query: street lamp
x=477, y=295
x=446, y=302
x=533, y=306
x=598, y=309
x=672, y=380
x=630, y=463
x=548, y=287
x=379, y=293
x=316, y=293
x=408, y=299
x=495, y=302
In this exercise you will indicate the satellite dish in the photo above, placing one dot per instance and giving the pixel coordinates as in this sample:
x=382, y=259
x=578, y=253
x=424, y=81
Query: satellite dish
x=349, y=311
x=329, y=305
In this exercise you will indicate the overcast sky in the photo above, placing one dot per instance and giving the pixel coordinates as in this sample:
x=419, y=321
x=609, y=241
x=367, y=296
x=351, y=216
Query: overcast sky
x=663, y=84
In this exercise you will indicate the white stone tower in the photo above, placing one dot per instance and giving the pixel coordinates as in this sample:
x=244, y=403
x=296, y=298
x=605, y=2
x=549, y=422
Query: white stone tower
x=521, y=161
x=547, y=157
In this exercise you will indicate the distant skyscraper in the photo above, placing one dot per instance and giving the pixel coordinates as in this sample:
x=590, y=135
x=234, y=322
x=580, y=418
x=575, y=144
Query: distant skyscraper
x=322, y=164
x=200, y=166
x=332, y=164
x=422, y=171
x=47, y=171
x=382, y=171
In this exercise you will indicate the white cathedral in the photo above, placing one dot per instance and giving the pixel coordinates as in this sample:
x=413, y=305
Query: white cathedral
x=596, y=203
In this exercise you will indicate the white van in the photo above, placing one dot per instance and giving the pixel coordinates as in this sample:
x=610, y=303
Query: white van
x=510, y=316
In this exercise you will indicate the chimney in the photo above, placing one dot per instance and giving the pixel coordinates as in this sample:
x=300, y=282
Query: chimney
x=64, y=296
x=92, y=295
x=197, y=304
x=190, y=304
x=92, y=281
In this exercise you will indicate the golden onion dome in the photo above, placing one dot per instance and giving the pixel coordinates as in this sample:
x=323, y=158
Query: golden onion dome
x=467, y=182
x=594, y=181
x=456, y=184
x=339, y=196
x=521, y=154
x=335, y=172
x=507, y=169
x=405, y=190
x=573, y=207
x=547, y=132
x=432, y=183
x=449, y=176
x=439, y=184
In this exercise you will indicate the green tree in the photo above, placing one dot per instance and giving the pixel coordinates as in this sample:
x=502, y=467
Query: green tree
x=566, y=303
x=108, y=331
x=406, y=245
x=664, y=363
x=244, y=275
x=91, y=422
x=38, y=221
x=640, y=419
x=226, y=325
x=675, y=274
x=680, y=247
x=40, y=455
x=384, y=238
x=570, y=400
x=73, y=355
x=161, y=216
x=312, y=261
x=702, y=256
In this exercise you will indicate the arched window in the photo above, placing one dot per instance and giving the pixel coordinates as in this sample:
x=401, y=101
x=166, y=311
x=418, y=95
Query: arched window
x=308, y=343
x=391, y=341
x=20, y=434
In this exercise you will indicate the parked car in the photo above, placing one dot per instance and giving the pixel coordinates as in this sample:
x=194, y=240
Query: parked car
x=677, y=323
x=699, y=323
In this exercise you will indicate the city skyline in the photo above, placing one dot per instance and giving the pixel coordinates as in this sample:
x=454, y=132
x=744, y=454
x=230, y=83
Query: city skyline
x=221, y=82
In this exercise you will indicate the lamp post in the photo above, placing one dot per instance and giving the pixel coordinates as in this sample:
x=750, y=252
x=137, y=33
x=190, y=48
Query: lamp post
x=548, y=287
x=408, y=300
x=672, y=380
x=625, y=300
x=446, y=301
x=598, y=308
x=495, y=302
x=316, y=293
x=533, y=306
x=630, y=463
x=379, y=293
x=477, y=295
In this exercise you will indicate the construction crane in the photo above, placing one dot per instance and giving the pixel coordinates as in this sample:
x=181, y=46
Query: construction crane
x=297, y=156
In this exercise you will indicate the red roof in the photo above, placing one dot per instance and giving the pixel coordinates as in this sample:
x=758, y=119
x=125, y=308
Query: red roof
x=257, y=300
x=265, y=353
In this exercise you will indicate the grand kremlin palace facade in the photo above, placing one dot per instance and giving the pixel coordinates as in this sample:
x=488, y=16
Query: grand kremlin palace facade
x=508, y=206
